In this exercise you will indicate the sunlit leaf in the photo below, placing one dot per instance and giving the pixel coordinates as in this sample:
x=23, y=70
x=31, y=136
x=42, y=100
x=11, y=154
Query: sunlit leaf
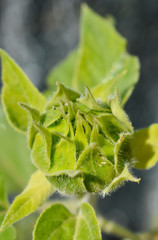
x=103, y=62
x=8, y=234
x=98, y=170
x=57, y=222
x=37, y=191
x=18, y=88
x=145, y=147
x=118, y=181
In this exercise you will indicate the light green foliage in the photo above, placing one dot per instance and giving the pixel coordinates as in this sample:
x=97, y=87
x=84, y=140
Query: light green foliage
x=37, y=191
x=101, y=61
x=8, y=234
x=63, y=94
x=145, y=147
x=15, y=161
x=57, y=222
x=17, y=88
x=3, y=196
x=120, y=180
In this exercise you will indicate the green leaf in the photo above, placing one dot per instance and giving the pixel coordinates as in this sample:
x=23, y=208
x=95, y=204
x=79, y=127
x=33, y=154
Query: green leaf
x=98, y=170
x=118, y=111
x=101, y=63
x=102, y=57
x=111, y=126
x=8, y=234
x=87, y=227
x=80, y=136
x=106, y=147
x=68, y=182
x=41, y=152
x=123, y=152
x=89, y=101
x=63, y=94
x=37, y=191
x=145, y=147
x=123, y=75
x=18, y=88
x=15, y=162
x=3, y=196
x=120, y=180
x=63, y=156
x=33, y=116
x=57, y=222
x=63, y=72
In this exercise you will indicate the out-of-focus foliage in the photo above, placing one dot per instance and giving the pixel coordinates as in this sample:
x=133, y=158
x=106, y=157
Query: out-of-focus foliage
x=8, y=234
x=101, y=61
x=145, y=146
x=15, y=161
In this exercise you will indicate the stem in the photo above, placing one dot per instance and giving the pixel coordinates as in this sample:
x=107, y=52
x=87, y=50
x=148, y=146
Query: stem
x=115, y=229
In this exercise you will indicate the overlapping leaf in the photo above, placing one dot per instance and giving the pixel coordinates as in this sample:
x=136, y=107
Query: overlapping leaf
x=57, y=222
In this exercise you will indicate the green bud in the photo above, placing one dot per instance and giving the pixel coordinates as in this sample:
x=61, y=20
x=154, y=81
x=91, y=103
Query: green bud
x=80, y=144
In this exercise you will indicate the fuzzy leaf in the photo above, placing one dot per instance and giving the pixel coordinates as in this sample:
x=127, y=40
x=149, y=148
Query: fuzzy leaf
x=145, y=147
x=111, y=126
x=50, y=117
x=105, y=146
x=63, y=93
x=118, y=111
x=63, y=156
x=33, y=116
x=89, y=101
x=37, y=191
x=120, y=180
x=80, y=136
x=41, y=151
x=60, y=126
x=63, y=72
x=18, y=88
x=68, y=182
x=102, y=57
x=97, y=169
x=66, y=226
x=123, y=152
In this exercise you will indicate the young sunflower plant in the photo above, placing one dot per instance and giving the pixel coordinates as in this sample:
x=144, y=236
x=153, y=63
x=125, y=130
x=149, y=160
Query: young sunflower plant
x=81, y=140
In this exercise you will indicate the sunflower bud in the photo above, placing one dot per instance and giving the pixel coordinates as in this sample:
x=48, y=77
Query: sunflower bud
x=81, y=144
